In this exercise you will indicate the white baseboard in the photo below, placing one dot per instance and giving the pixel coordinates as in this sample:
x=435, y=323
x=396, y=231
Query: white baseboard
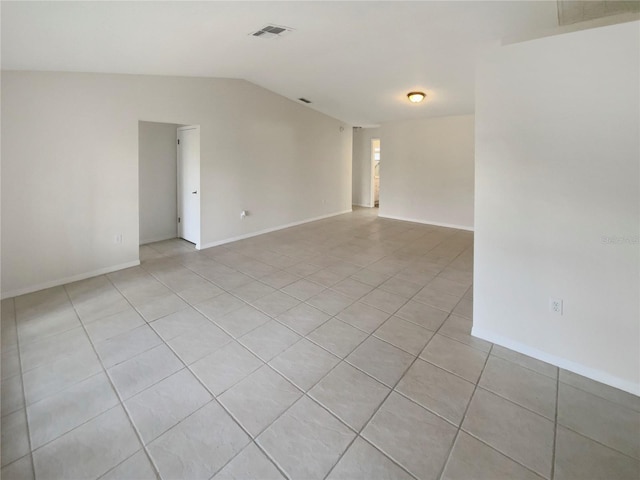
x=269, y=230
x=427, y=222
x=592, y=373
x=362, y=205
x=64, y=281
x=158, y=239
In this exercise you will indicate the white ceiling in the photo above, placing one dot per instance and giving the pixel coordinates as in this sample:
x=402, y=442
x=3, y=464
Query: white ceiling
x=354, y=60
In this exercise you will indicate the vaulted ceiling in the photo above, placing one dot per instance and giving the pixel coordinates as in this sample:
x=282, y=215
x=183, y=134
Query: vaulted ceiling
x=354, y=60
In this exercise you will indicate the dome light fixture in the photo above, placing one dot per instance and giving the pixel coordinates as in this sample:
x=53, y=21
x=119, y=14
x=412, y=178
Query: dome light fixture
x=416, y=97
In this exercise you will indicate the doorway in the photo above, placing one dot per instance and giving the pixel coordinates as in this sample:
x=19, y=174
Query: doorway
x=375, y=172
x=188, y=192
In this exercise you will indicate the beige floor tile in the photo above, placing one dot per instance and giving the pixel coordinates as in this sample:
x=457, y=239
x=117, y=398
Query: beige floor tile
x=415, y=438
x=518, y=433
x=84, y=453
x=259, y=399
x=250, y=463
x=275, y=303
x=196, y=344
x=148, y=368
x=219, y=306
x=383, y=300
x=21, y=469
x=363, y=317
x=459, y=328
x=330, y=302
x=437, y=299
x=303, y=318
x=520, y=385
x=269, y=340
x=606, y=422
x=15, y=439
x=422, y=315
x=303, y=289
x=612, y=394
x=225, y=367
x=357, y=268
x=364, y=462
x=437, y=390
x=252, y=291
x=405, y=335
x=578, y=457
x=198, y=446
x=401, y=286
x=352, y=288
x=306, y=431
x=62, y=412
x=304, y=364
x=381, y=360
x=455, y=357
x=137, y=466
x=337, y=337
x=350, y=395
x=113, y=325
x=166, y=403
x=525, y=361
x=121, y=348
x=241, y=321
x=178, y=323
x=12, y=394
x=471, y=459
x=58, y=375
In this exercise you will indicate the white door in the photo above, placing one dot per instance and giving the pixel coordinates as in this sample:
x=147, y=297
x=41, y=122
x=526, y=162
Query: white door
x=189, y=184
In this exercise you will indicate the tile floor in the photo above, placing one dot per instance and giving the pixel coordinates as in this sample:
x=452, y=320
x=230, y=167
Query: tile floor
x=339, y=349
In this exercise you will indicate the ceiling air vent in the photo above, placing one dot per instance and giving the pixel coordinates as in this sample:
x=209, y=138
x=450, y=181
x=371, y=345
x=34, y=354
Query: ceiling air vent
x=272, y=31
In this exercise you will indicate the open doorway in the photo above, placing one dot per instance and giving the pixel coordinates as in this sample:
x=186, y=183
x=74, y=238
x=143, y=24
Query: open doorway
x=375, y=172
x=168, y=168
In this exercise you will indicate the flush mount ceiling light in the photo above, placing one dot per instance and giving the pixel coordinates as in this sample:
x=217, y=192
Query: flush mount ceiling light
x=416, y=97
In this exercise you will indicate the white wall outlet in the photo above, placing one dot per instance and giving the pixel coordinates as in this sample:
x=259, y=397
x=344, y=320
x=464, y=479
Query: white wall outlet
x=555, y=306
x=118, y=239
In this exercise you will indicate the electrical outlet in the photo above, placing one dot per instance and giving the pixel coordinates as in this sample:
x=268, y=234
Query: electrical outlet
x=118, y=238
x=555, y=306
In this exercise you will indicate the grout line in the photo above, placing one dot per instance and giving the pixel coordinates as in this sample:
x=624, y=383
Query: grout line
x=464, y=416
x=113, y=387
x=213, y=399
x=303, y=259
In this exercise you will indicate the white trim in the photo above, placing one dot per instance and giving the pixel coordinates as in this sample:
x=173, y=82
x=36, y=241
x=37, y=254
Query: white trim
x=427, y=222
x=362, y=205
x=592, y=373
x=268, y=230
x=64, y=281
x=158, y=239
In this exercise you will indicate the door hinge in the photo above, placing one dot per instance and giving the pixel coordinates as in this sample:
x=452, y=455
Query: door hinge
x=178, y=141
x=178, y=219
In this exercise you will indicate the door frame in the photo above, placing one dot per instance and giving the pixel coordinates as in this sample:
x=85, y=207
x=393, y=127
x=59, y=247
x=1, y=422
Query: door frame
x=178, y=187
x=372, y=200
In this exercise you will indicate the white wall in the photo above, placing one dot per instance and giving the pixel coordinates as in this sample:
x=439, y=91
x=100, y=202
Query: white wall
x=361, y=187
x=70, y=166
x=557, y=172
x=427, y=171
x=157, y=181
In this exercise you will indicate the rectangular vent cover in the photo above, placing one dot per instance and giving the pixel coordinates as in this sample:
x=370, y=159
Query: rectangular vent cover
x=272, y=31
